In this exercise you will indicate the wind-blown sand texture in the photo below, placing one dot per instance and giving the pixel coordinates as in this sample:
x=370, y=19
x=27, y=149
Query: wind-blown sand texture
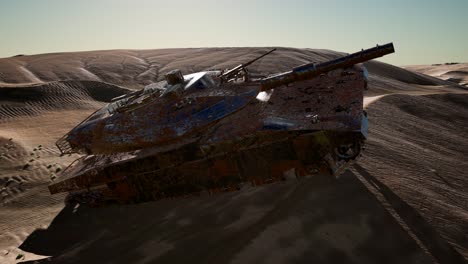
x=451, y=71
x=404, y=201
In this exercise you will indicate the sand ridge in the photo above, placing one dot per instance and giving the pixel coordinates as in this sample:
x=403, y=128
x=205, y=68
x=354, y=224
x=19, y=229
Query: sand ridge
x=453, y=72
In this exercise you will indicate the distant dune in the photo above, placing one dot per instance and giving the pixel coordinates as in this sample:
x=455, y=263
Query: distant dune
x=137, y=68
x=453, y=72
x=404, y=201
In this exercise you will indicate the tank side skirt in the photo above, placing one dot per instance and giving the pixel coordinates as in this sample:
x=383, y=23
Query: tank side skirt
x=306, y=154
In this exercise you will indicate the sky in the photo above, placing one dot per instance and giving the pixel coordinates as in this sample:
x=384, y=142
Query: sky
x=423, y=31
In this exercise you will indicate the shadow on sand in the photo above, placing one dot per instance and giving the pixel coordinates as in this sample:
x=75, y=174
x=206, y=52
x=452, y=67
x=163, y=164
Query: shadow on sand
x=312, y=220
x=435, y=244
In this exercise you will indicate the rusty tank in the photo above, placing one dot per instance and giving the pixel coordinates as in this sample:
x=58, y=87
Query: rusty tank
x=216, y=131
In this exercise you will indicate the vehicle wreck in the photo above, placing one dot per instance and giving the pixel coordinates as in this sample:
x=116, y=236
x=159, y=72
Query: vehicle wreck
x=215, y=131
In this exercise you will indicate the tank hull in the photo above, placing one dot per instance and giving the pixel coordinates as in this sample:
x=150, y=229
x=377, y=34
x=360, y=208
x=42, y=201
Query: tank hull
x=191, y=170
x=305, y=127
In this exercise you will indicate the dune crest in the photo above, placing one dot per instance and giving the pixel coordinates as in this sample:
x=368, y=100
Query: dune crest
x=453, y=72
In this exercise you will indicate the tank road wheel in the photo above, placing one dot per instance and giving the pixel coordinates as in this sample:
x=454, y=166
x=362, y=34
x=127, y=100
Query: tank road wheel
x=348, y=151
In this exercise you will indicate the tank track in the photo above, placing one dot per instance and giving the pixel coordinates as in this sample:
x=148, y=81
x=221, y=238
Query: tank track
x=98, y=198
x=227, y=172
x=91, y=198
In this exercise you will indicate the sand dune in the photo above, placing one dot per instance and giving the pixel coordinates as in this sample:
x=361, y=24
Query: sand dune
x=418, y=149
x=136, y=68
x=453, y=72
x=55, y=96
x=403, y=202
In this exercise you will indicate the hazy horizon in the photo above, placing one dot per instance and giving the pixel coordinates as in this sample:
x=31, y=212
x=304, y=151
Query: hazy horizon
x=423, y=32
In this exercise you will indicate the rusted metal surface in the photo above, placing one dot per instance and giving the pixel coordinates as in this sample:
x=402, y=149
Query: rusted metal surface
x=215, y=132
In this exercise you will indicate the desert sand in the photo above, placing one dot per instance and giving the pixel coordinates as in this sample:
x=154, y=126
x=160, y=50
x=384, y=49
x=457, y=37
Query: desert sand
x=449, y=71
x=404, y=201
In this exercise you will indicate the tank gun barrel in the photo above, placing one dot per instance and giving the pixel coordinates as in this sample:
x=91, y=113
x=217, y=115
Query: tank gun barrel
x=230, y=73
x=312, y=70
